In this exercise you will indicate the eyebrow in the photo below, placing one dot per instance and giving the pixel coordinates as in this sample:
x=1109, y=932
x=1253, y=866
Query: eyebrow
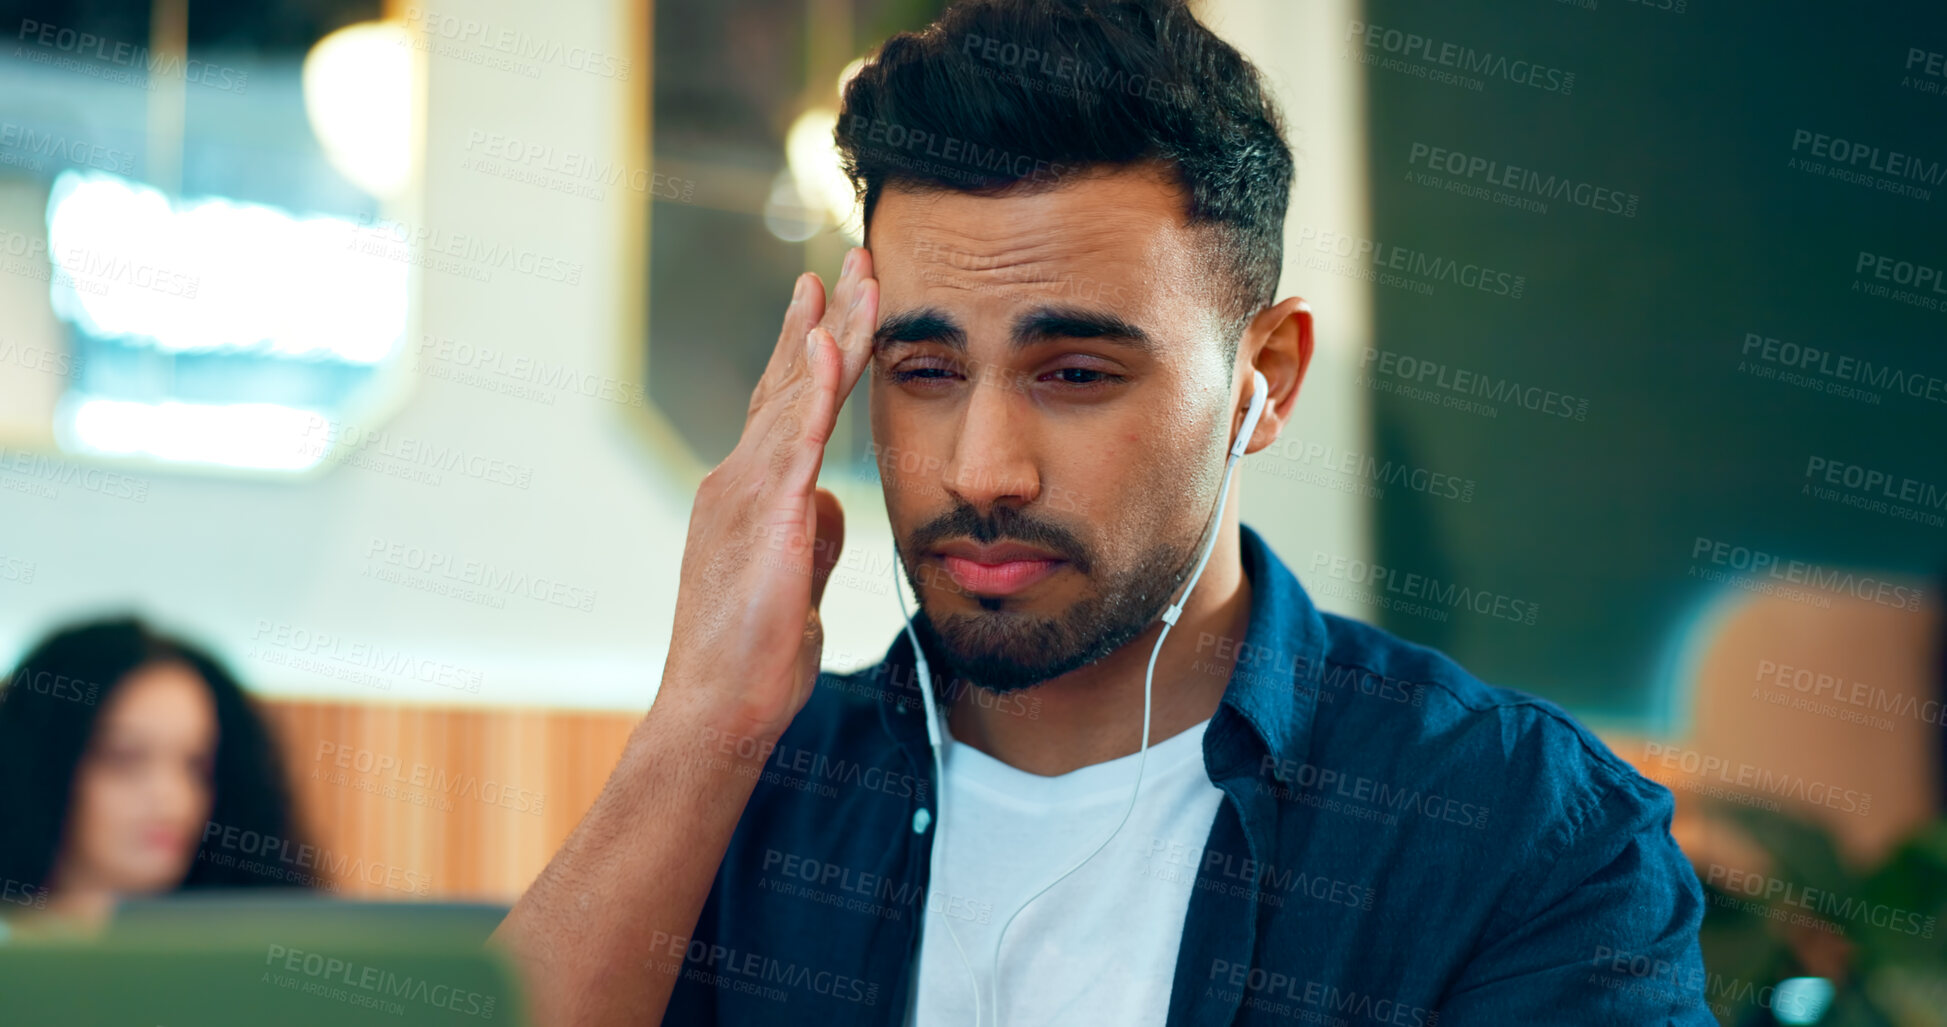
x=1039, y=325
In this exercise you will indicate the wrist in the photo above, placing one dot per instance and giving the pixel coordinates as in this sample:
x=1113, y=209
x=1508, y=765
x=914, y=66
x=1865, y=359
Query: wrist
x=714, y=728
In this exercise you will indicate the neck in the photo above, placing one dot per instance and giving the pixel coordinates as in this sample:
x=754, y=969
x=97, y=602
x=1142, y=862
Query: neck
x=81, y=909
x=1094, y=714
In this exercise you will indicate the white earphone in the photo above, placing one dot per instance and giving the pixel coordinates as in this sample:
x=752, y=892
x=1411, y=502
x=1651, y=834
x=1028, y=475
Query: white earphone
x=1259, y=391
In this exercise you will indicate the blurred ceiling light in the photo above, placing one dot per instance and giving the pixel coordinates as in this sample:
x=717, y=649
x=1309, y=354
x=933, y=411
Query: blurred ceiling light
x=358, y=93
x=262, y=436
x=218, y=275
x=812, y=158
x=845, y=76
x=788, y=213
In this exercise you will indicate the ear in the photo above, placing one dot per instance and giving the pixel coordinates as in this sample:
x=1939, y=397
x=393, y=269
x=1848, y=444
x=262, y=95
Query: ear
x=1277, y=343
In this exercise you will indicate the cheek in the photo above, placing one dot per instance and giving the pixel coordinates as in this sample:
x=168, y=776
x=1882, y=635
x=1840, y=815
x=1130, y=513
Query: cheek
x=1154, y=492
x=107, y=810
x=197, y=809
x=908, y=466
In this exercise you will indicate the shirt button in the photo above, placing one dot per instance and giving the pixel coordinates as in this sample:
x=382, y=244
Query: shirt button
x=921, y=819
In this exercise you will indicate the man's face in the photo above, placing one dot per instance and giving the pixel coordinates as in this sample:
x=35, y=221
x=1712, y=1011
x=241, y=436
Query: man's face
x=1049, y=376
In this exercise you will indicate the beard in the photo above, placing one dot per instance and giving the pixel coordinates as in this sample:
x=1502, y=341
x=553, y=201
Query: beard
x=1006, y=650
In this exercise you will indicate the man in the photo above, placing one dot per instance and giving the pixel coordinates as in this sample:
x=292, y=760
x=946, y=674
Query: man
x=1074, y=215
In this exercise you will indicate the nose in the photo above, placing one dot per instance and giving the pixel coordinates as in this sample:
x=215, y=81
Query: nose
x=992, y=460
x=180, y=792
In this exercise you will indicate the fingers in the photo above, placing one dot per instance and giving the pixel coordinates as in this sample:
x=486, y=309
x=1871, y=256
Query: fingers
x=793, y=418
x=855, y=295
x=845, y=330
x=806, y=309
x=852, y=315
x=802, y=428
x=852, y=319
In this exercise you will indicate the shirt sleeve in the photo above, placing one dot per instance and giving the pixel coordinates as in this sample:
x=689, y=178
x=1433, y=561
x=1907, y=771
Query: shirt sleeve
x=1603, y=933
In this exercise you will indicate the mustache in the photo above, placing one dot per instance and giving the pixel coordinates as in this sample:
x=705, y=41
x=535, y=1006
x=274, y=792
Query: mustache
x=1003, y=524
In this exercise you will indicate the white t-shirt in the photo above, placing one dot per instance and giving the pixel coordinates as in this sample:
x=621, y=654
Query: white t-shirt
x=1101, y=946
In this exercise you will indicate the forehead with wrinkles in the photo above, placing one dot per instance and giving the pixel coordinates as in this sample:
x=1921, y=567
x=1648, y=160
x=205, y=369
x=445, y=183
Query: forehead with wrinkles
x=1119, y=241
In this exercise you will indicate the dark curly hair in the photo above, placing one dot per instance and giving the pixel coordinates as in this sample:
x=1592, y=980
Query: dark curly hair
x=49, y=708
x=1000, y=95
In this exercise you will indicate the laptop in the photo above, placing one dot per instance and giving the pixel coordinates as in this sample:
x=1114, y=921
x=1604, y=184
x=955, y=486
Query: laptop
x=215, y=960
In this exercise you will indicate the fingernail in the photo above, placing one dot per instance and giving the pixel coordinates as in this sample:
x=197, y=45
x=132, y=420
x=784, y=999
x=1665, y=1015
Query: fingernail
x=798, y=292
x=851, y=258
x=811, y=345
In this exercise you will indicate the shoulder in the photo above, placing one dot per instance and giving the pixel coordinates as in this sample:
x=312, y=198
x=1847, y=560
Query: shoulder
x=842, y=704
x=839, y=757
x=1410, y=713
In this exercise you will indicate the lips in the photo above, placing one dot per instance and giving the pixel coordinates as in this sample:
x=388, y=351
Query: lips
x=997, y=570
x=166, y=839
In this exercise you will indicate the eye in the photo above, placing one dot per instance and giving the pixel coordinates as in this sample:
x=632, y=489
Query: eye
x=1084, y=376
x=920, y=373
x=202, y=766
x=120, y=759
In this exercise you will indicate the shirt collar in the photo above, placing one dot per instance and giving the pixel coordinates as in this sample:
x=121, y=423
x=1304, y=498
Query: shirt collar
x=1272, y=684
x=1282, y=649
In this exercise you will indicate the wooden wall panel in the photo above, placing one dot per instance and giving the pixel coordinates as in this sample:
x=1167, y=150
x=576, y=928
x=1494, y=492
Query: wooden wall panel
x=435, y=802
x=443, y=823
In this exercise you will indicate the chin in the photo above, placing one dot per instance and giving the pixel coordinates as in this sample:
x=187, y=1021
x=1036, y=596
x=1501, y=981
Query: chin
x=1005, y=653
x=152, y=877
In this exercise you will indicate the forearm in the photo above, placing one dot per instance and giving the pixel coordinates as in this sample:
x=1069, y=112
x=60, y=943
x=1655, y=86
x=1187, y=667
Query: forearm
x=600, y=935
x=592, y=935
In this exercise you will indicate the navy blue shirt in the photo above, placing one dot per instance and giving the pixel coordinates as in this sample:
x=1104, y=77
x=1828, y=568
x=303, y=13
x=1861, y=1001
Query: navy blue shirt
x=1399, y=844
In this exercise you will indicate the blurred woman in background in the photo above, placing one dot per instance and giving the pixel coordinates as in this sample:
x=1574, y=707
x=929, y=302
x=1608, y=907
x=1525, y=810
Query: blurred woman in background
x=130, y=764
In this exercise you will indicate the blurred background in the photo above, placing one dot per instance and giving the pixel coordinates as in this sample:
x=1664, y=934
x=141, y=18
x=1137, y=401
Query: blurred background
x=378, y=349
